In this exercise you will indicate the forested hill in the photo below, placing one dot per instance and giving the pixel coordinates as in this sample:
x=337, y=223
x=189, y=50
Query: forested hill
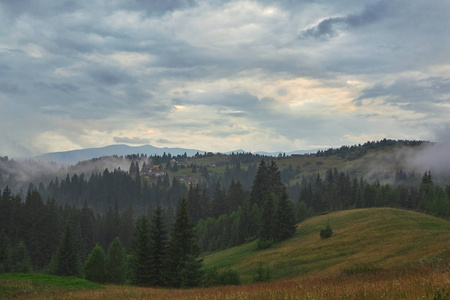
x=146, y=181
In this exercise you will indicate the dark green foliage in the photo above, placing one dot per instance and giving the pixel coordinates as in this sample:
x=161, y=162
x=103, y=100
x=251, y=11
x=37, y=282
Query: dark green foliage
x=229, y=277
x=191, y=274
x=267, y=229
x=263, y=243
x=183, y=267
x=215, y=278
x=142, y=266
x=95, y=265
x=19, y=259
x=158, y=247
x=285, y=224
x=116, y=263
x=68, y=261
x=326, y=233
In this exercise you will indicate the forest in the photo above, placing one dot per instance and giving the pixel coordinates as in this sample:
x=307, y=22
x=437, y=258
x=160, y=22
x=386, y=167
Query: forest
x=158, y=229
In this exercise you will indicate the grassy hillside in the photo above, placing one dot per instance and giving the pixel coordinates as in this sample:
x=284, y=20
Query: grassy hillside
x=366, y=239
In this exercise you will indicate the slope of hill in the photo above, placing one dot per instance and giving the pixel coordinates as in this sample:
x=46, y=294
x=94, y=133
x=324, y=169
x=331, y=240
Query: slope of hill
x=362, y=240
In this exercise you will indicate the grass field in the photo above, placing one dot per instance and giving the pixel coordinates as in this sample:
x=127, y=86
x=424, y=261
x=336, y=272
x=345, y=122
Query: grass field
x=378, y=253
x=379, y=237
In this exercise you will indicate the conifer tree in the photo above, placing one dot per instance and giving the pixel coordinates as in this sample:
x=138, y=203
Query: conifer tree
x=218, y=205
x=141, y=249
x=95, y=266
x=259, y=188
x=268, y=218
x=116, y=263
x=285, y=224
x=158, y=237
x=68, y=254
x=182, y=263
x=20, y=260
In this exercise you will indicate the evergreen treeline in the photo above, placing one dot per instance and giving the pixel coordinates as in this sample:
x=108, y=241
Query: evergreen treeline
x=261, y=212
x=357, y=151
x=69, y=241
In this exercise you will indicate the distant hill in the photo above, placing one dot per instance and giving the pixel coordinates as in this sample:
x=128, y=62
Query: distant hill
x=75, y=156
x=363, y=240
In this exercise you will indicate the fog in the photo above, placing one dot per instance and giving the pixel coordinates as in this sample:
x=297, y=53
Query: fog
x=18, y=175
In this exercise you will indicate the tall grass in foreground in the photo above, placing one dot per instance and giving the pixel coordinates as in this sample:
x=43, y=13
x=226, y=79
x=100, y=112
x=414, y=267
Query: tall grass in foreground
x=420, y=282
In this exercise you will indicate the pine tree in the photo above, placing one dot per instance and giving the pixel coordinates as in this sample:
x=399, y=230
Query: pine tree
x=68, y=254
x=20, y=260
x=182, y=250
x=5, y=253
x=116, y=263
x=259, y=188
x=218, y=204
x=94, y=266
x=285, y=224
x=266, y=230
x=141, y=249
x=158, y=249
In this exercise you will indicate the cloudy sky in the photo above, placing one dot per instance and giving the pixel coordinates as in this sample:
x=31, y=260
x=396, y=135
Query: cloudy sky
x=221, y=75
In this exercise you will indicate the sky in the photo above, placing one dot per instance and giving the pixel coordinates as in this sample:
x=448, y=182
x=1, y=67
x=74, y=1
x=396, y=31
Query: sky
x=221, y=75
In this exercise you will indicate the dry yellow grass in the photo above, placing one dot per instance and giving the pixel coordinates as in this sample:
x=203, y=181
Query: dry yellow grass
x=420, y=282
x=381, y=237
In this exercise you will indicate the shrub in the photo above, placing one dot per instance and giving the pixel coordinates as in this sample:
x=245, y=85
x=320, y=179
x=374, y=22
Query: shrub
x=264, y=244
x=229, y=277
x=326, y=233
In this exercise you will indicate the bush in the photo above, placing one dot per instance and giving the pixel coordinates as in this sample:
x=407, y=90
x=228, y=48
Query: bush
x=326, y=233
x=228, y=277
x=264, y=244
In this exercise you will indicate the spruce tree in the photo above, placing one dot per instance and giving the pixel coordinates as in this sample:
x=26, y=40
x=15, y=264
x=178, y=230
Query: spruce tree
x=20, y=260
x=116, y=263
x=94, y=266
x=266, y=230
x=259, y=188
x=68, y=254
x=285, y=224
x=158, y=237
x=142, y=267
x=182, y=263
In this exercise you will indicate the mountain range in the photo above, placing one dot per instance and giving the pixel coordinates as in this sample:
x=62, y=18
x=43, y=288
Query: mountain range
x=74, y=156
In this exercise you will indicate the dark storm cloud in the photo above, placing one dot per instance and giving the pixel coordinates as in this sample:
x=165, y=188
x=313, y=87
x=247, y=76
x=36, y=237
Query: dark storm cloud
x=329, y=27
x=420, y=95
